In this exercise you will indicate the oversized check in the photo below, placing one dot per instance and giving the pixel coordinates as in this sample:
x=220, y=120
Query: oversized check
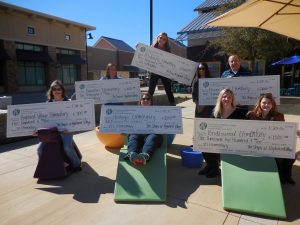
x=245, y=89
x=165, y=64
x=24, y=120
x=109, y=91
x=141, y=119
x=245, y=137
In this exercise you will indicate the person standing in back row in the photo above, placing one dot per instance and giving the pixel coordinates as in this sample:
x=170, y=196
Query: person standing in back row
x=200, y=110
x=162, y=43
x=236, y=70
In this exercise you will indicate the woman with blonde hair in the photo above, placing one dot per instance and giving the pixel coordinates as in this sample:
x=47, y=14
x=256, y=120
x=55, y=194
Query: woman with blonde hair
x=111, y=72
x=225, y=108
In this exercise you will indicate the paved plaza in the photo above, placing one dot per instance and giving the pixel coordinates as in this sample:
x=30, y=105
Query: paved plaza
x=86, y=197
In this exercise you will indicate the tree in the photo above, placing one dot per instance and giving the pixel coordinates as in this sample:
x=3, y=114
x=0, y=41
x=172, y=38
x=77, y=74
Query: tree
x=252, y=43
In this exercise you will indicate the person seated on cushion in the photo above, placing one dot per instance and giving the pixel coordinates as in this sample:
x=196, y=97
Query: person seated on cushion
x=141, y=147
x=266, y=109
x=56, y=93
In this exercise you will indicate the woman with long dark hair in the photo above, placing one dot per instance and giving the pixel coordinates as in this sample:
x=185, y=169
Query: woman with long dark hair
x=201, y=111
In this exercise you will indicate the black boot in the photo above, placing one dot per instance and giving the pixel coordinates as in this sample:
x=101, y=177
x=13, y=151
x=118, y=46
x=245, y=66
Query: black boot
x=205, y=171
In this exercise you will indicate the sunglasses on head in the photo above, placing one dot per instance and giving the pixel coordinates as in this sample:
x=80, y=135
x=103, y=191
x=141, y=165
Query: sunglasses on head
x=266, y=94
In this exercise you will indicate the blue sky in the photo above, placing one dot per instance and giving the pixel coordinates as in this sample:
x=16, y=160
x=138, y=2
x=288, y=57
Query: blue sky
x=127, y=20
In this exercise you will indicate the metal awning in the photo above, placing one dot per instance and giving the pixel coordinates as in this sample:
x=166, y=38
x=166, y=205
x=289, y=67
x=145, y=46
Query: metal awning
x=33, y=56
x=70, y=59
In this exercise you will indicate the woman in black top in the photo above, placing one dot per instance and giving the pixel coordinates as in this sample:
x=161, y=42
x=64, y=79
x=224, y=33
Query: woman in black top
x=201, y=111
x=225, y=108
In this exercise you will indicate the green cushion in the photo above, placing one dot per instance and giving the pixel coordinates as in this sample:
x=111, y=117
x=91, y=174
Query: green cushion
x=142, y=183
x=252, y=185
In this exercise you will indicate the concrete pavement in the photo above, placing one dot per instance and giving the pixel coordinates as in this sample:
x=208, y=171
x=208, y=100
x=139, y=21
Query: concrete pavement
x=87, y=197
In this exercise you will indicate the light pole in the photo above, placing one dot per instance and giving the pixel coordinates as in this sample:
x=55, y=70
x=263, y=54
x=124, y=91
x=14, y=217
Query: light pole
x=87, y=36
x=151, y=21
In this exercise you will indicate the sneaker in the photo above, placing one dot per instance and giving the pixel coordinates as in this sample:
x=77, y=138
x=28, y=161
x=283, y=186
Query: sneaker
x=134, y=158
x=144, y=157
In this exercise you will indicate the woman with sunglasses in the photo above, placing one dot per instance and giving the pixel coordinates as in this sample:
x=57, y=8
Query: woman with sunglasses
x=201, y=111
x=56, y=93
x=225, y=108
x=162, y=43
x=266, y=109
x=142, y=146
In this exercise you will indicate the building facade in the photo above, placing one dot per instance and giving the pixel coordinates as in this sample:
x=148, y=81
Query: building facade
x=37, y=48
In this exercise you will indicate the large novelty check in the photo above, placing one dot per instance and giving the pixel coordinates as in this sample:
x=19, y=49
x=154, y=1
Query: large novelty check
x=245, y=137
x=109, y=91
x=164, y=64
x=245, y=89
x=24, y=120
x=141, y=119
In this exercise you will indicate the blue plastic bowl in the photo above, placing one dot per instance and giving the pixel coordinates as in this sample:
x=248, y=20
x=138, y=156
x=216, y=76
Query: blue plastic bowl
x=191, y=159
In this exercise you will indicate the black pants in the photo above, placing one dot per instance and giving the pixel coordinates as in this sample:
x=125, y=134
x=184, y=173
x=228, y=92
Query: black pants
x=167, y=84
x=212, y=159
x=285, y=168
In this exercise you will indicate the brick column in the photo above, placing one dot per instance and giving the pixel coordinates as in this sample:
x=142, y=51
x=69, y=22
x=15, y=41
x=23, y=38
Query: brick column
x=51, y=74
x=11, y=67
x=83, y=67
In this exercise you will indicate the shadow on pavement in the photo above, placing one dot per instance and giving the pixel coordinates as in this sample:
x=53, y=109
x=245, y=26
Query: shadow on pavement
x=85, y=186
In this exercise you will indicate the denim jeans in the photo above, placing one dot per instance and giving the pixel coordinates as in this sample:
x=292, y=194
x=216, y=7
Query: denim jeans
x=146, y=143
x=67, y=140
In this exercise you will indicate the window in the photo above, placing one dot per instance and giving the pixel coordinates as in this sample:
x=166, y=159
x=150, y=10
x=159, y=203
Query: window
x=65, y=51
x=259, y=67
x=31, y=73
x=67, y=73
x=67, y=37
x=214, y=68
x=30, y=47
x=246, y=64
x=31, y=30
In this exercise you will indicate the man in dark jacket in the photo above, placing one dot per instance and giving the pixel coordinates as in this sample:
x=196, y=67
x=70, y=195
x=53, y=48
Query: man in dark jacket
x=236, y=70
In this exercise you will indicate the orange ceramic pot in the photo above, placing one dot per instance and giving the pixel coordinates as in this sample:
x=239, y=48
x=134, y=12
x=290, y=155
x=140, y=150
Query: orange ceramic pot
x=110, y=140
x=298, y=156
